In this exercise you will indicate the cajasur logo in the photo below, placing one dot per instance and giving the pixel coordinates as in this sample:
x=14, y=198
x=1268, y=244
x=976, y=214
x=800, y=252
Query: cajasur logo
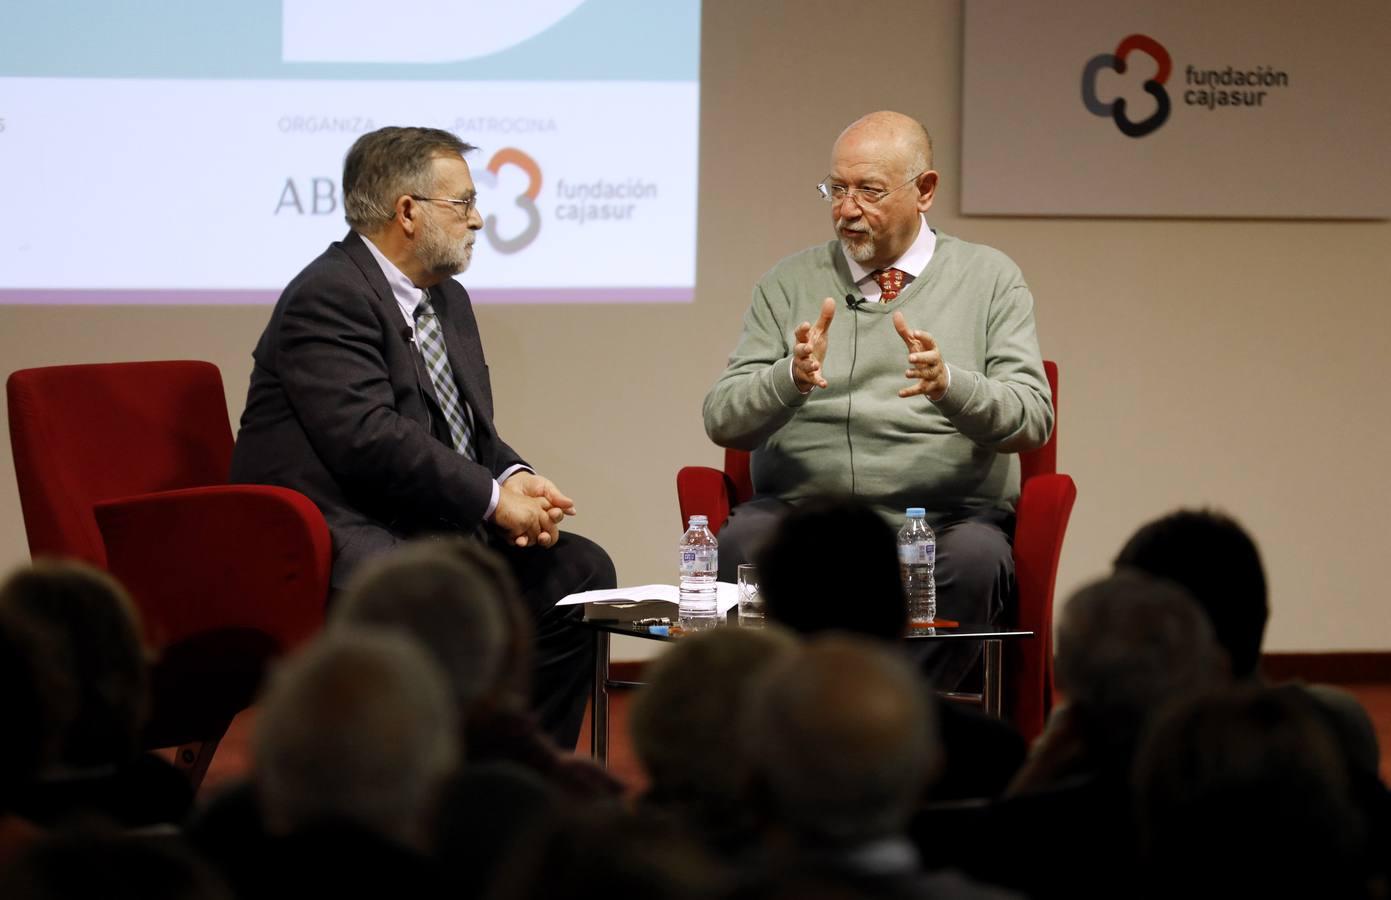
x=1115, y=109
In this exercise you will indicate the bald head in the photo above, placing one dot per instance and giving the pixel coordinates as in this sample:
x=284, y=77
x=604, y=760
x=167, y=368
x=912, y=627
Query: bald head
x=893, y=137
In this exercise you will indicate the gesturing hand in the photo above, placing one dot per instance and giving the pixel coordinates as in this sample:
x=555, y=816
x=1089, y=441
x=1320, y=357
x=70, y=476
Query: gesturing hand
x=924, y=362
x=810, y=350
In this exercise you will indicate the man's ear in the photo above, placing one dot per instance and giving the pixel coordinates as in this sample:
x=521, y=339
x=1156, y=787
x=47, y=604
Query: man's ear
x=407, y=214
x=927, y=190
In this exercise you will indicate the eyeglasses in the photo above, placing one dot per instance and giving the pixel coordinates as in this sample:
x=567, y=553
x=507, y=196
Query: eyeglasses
x=462, y=207
x=836, y=193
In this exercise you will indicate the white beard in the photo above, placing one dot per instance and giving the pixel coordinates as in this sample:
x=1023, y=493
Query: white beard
x=860, y=248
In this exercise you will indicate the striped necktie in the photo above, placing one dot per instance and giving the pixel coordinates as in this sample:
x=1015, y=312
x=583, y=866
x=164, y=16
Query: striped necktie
x=456, y=411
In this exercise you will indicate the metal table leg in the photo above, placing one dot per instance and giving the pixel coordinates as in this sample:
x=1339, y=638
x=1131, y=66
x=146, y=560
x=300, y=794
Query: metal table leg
x=599, y=705
x=992, y=678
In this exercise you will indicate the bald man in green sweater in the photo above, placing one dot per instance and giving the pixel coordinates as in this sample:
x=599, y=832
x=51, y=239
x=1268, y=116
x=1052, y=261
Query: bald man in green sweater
x=921, y=394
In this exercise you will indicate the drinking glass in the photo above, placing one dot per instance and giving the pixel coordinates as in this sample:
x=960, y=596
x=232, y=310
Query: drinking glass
x=750, y=603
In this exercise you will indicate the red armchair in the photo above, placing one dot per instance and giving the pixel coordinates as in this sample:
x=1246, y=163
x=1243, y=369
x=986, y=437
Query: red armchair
x=1045, y=503
x=124, y=465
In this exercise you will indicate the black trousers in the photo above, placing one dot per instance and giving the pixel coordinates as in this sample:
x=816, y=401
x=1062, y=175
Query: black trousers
x=563, y=668
x=974, y=575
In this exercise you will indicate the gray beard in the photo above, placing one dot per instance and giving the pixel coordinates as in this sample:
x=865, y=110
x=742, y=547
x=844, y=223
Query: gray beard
x=861, y=251
x=440, y=256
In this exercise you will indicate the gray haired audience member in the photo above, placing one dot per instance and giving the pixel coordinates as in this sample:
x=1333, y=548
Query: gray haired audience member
x=840, y=742
x=1126, y=645
x=443, y=599
x=357, y=728
x=458, y=600
x=686, y=719
x=1214, y=559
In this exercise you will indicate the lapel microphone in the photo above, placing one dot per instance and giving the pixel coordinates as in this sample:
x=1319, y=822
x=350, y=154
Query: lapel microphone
x=852, y=304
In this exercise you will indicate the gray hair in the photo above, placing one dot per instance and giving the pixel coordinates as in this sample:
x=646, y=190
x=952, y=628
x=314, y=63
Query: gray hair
x=383, y=165
x=842, y=740
x=433, y=592
x=1129, y=643
x=358, y=727
x=687, y=717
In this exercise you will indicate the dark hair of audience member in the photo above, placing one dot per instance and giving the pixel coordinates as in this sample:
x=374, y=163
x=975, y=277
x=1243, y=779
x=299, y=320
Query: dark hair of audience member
x=35, y=705
x=111, y=866
x=1213, y=557
x=829, y=554
x=94, y=631
x=1246, y=793
x=591, y=852
x=685, y=721
x=485, y=811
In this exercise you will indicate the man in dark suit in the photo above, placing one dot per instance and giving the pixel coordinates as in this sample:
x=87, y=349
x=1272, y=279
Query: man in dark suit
x=370, y=395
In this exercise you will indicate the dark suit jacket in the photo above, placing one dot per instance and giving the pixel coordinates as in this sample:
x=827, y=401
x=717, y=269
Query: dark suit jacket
x=341, y=408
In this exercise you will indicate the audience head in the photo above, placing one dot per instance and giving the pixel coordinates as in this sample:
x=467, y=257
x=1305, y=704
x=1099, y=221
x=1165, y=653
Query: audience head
x=449, y=597
x=1127, y=644
x=603, y=852
x=854, y=587
x=1249, y=788
x=686, y=719
x=93, y=631
x=840, y=740
x=359, y=728
x=35, y=705
x=1218, y=563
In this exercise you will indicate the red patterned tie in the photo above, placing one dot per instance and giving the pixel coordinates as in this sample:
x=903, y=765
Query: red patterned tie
x=890, y=282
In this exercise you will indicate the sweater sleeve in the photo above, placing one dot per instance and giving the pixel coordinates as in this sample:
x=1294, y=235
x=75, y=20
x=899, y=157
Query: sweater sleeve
x=1007, y=407
x=755, y=396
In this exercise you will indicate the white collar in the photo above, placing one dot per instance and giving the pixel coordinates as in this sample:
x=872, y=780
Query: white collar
x=913, y=261
x=407, y=295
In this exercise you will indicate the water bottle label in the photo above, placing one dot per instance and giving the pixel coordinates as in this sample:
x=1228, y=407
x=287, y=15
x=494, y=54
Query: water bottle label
x=698, y=560
x=917, y=554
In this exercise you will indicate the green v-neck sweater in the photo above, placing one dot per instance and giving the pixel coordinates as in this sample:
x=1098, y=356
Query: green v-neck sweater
x=857, y=435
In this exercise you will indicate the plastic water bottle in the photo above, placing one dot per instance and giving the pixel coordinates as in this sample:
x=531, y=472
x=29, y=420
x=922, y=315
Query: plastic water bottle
x=917, y=556
x=700, y=557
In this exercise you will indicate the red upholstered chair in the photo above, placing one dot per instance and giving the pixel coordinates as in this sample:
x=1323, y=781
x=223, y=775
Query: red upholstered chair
x=1045, y=503
x=124, y=465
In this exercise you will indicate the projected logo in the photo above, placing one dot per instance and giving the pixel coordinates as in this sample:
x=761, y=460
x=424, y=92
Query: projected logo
x=1116, y=62
x=525, y=201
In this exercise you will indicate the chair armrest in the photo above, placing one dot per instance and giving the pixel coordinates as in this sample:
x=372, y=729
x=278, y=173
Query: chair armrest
x=224, y=557
x=1041, y=517
x=704, y=491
